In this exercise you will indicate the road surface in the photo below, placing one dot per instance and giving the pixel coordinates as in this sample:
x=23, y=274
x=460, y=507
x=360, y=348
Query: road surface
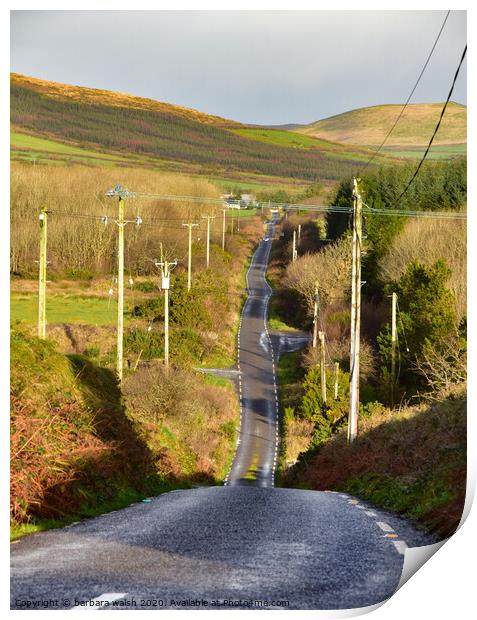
x=258, y=441
x=244, y=545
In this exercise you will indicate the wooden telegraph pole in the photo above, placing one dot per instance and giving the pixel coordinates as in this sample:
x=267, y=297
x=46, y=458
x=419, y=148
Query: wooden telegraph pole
x=165, y=267
x=315, y=317
x=190, y=225
x=294, y=253
x=355, y=314
x=208, y=218
x=321, y=336
x=393, y=344
x=224, y=211
x=121, y=193
x=42, y=275
x=121, y=224
x=337, y=374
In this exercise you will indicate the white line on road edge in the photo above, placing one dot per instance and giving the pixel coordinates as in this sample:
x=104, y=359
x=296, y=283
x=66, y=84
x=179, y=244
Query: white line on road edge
x=107, y=597
x=400, y=545
x=266, y=335
x=370, y=513
x=384, y=526
x=241, y=404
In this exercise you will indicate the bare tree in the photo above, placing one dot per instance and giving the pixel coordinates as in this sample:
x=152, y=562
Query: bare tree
x=329, y=270
x=444, y=364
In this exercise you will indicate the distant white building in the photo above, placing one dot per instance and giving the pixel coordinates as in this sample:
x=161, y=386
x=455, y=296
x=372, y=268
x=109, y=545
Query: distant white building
x=248, y=200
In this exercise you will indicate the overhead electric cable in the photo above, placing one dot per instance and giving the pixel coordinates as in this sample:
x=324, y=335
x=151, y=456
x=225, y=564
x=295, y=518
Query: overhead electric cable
x=410, y=94
x=437, y=126
x=175, y=222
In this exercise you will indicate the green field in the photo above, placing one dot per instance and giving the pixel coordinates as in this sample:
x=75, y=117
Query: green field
x=33, y=149
x=289, y=139
x=64, y=309
x=25, y=146
x=282, y=137
x=268, y=183
x=440, y=151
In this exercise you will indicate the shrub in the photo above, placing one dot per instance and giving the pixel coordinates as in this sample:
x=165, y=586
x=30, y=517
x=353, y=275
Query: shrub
x=79, y=274
x=327, y=418
x=427, y=241
x=426, y=317
x=146, y=286
x=150, y=344
x=187, y=424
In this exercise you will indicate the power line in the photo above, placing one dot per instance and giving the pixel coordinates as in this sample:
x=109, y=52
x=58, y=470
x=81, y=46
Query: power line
x=410, y=95
x=231, y=203
x=439, y=215
x=174, y=223
x=437, y=126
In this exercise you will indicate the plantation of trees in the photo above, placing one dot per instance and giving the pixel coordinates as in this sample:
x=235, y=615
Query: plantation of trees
x=168, y=136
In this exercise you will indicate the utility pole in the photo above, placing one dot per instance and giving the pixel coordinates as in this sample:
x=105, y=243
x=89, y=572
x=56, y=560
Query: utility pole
x=294, y=253
x=190, y=225
x=224, y=211
x=121, y=193
x=42, y=276
x=321, y=336
x=337, y=374
x=393, y=344
x=355, y=314
x=165, y=267
x=121, y=224
x=208, y=218
x=315, y=317
x=299, y=233
x=232, y=222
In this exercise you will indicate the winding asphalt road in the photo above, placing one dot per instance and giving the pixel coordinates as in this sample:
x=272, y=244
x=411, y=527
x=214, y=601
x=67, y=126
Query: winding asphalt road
x=244, y=545
x=258, y=440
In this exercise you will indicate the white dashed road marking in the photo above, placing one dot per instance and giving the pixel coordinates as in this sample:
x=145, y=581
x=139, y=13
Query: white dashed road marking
x=400, y=546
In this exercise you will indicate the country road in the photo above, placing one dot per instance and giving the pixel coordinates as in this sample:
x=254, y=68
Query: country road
x=258, y=442
x=244, y=545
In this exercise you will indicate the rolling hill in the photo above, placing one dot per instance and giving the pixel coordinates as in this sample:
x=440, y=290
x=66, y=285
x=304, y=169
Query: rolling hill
x=59, y=123
x=94, y=96
x=369, y=126
x=55, y=120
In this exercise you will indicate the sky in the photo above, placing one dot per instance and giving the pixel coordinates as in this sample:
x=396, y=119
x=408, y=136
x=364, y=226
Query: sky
x=263, y=67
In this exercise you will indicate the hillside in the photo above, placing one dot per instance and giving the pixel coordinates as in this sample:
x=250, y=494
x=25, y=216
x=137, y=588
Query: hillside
x=95, y=96
x=158, y=134
x=369, y=126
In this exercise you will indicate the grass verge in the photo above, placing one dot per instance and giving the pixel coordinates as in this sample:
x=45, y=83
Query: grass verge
x=411, y=462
